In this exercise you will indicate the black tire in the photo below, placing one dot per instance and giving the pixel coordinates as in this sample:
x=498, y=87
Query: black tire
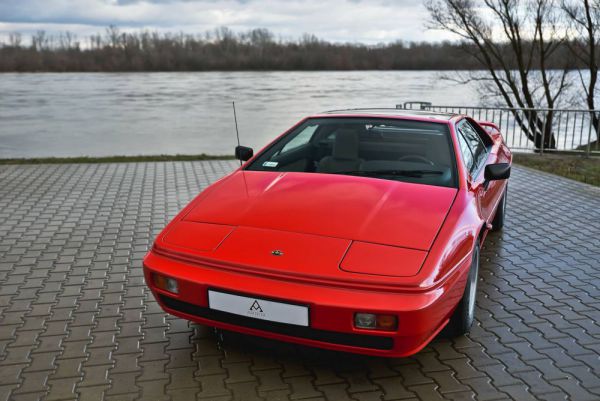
x=462, y=319
x=498, y=221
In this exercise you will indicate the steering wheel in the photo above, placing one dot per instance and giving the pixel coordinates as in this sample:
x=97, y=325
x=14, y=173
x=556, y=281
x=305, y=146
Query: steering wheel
x=416, y=158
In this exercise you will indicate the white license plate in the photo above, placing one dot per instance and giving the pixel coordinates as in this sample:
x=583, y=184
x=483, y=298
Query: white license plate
x=258, y=308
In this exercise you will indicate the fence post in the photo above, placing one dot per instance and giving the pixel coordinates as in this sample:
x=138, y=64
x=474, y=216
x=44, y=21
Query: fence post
x=597, y=135
x=543, y=132
x=589, y=140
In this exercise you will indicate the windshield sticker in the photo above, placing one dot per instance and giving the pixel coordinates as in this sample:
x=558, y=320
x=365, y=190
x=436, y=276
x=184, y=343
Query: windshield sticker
x=270, y=164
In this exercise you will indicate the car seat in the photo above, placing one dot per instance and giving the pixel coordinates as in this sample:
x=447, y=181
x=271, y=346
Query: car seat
x=344, y=156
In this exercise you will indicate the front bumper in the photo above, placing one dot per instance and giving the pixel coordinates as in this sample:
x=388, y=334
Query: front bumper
x=421, y=315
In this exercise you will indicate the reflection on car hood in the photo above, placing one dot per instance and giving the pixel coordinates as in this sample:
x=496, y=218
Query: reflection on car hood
x=356, y=208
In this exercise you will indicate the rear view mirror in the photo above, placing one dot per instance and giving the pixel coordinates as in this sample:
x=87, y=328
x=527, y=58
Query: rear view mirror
x=498, y=171
x=243, y=153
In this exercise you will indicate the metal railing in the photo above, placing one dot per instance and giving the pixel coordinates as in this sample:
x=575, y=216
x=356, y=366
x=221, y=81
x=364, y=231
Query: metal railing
x=526, y=130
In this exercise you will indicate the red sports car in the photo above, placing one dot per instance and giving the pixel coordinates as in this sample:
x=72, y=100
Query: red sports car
x=355, y=230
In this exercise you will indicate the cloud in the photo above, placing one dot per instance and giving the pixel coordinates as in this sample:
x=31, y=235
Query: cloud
x=367, y=21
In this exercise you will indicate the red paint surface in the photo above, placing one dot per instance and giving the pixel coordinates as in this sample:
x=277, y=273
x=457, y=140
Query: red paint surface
x=384, y=260
x=341, y=206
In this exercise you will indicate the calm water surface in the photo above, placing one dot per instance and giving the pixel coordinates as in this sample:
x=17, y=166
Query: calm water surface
x=188, y=113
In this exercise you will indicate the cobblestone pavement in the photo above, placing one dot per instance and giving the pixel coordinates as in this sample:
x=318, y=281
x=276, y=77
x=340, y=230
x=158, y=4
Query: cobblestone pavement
x=77, y=322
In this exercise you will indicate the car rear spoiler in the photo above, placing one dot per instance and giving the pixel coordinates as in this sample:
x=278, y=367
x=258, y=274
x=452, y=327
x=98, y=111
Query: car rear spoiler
x=490, y=127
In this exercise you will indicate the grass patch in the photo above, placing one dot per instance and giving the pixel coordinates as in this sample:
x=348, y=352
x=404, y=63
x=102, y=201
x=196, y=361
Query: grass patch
x=579, y=168
x=593, y=146
x=116, y=159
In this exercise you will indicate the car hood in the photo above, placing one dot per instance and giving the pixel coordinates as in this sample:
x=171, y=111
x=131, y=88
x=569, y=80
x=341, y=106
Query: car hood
x=329, y=205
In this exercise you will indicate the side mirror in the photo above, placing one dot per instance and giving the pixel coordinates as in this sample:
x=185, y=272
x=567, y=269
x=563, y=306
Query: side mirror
x=243, y=153
x=499, y=171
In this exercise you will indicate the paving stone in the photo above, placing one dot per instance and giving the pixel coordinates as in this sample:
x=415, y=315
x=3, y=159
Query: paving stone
x=484, y=389
x=427, y=392
x=17, y=355
x=28, y=397
x=33, y=382
x=61, y=389
x=209, y=365
x=6, y=391
x=447, y=382
x=66, y=368
x=77, y=322
x=393, y=388
x=213, y=386
x=122, y=383
x=43, y=362
x=302, y=387
x=156, y=390
x=95, y=376
x=270, y=380
x=246, y=391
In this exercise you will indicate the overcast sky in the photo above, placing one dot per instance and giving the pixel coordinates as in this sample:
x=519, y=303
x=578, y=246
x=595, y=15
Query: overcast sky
x=366, y=21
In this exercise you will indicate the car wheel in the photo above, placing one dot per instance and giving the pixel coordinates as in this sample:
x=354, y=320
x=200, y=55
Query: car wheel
x=464, y=314
x=498, y=221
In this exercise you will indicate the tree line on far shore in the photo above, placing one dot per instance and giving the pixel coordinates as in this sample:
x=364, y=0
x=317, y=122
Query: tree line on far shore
x=225, y=50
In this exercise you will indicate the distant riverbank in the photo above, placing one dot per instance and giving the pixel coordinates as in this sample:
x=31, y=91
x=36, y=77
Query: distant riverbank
x=220, y=50
x=225, y=50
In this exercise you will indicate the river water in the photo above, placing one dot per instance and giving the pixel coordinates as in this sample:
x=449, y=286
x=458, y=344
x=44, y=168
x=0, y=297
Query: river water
x=75, y=114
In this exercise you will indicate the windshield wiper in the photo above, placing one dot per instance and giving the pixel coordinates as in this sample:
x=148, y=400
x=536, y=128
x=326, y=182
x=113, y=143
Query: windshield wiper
x=404, y=173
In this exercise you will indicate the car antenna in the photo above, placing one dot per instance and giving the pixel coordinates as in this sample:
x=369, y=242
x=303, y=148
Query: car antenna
x=237, y=132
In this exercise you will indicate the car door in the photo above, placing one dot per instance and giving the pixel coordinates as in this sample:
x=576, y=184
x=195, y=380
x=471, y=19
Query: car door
x=476, y=151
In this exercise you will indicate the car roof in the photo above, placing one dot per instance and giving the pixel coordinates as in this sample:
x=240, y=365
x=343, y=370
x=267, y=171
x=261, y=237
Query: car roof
x=383, y=112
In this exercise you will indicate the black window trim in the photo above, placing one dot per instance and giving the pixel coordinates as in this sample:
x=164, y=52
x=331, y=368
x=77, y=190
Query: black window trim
x=483, y=163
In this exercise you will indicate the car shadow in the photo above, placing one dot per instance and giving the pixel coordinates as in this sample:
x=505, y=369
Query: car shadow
x=237, y=345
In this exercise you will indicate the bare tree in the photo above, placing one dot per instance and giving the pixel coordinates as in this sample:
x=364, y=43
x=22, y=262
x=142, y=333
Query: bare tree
x=67, y=41
x=113, y=36
x=584, y=18
x=40, y=41
x=514, y=42
x=14, y=39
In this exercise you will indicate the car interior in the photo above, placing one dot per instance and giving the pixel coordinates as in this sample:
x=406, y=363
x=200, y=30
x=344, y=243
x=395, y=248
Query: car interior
x=403, y=150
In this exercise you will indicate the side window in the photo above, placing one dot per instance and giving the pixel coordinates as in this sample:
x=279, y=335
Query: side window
x=474, y=143
x=301, y=139
x=465, y=151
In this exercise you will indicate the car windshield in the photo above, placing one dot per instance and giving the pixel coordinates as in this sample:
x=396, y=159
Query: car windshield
x=391, y=149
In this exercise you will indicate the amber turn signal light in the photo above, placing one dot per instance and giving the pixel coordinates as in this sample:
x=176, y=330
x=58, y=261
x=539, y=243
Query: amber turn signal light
x=165, y=283
x=387, y=322
x=372, y=321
